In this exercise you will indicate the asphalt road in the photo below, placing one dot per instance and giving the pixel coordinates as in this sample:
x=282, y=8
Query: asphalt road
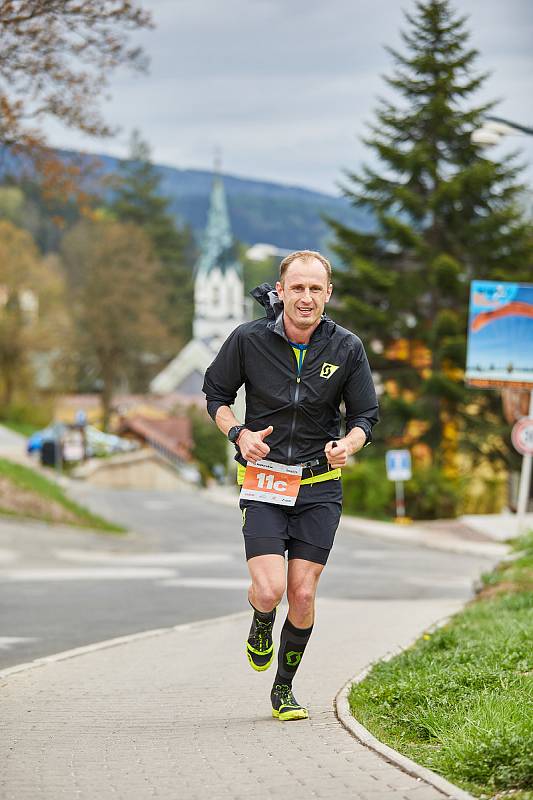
x=184, y=560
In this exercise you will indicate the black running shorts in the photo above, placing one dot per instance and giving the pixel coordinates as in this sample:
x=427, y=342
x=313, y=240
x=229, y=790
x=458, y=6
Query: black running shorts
x=306, y=530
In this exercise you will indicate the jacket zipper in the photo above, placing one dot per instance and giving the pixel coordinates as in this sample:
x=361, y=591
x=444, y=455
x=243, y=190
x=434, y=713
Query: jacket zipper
x=295, y=407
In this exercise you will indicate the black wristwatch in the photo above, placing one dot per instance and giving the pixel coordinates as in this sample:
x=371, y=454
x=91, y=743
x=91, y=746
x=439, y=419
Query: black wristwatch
x=233, y=433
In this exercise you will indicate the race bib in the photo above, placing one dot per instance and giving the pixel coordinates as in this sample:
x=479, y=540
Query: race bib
x=269, y=482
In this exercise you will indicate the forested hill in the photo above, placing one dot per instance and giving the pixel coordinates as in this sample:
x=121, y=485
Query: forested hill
x=286, y=216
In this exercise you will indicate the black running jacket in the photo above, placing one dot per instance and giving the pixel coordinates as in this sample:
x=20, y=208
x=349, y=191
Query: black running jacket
x=304, y=411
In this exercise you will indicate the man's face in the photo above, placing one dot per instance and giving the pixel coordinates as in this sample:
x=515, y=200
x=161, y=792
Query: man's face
x=304, y=292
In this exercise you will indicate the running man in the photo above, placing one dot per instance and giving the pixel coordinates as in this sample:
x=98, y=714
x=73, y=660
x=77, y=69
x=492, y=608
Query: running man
x=297, y=366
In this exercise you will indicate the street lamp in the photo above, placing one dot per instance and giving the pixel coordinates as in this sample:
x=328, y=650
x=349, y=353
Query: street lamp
x=495, y=128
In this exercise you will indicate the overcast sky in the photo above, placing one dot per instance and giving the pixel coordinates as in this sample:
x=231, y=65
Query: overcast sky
x=284, y=87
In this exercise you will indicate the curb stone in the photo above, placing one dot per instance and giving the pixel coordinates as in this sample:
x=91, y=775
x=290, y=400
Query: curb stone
x=363, y=735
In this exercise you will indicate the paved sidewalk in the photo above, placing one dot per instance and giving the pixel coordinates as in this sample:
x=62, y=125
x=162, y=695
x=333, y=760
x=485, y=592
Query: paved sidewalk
x=180, y=715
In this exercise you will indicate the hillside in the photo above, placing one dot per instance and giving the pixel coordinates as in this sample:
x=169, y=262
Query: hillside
x=286, y=216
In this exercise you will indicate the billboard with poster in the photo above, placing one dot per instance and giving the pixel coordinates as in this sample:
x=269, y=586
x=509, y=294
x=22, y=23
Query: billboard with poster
x=500, y=335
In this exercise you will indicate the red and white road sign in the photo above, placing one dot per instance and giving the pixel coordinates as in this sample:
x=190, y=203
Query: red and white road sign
x=522, y=436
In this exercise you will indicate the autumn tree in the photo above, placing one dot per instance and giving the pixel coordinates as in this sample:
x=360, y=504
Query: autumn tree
x=112, y=272
x=138, y=199
x=35, y=325
x=444, y=214
x=56, y=59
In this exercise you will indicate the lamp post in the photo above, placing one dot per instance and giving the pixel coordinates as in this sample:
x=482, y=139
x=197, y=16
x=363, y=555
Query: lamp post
x=494, y=129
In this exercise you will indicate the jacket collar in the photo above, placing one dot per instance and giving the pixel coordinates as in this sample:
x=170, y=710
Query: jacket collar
x=268, y=298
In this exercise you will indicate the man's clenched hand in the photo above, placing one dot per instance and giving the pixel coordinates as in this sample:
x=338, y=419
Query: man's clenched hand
x=336, y=453
x=252, y=444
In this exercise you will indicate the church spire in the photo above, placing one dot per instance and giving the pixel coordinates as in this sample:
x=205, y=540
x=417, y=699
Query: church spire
x=217, y=246
x=218, y=287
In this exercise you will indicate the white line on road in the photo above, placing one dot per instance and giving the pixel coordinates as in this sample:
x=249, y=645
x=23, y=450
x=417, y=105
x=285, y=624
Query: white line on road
x=441, y=583
x=166, y=558
x=87, y=574
x=7, y=556
x=208, y=583
x=6, y=642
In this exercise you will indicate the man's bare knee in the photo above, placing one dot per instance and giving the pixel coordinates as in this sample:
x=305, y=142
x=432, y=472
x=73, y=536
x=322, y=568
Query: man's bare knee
x=265, y=594
x=301, y=598
x=268, y=581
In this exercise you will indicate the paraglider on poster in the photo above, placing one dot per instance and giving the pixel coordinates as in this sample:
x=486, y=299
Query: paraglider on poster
x=500, y=335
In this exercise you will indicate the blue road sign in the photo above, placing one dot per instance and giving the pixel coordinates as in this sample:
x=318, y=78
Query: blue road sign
x=398, y=464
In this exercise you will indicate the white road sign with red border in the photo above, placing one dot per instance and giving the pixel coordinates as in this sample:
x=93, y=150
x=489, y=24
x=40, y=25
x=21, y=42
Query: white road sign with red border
x=522, y=436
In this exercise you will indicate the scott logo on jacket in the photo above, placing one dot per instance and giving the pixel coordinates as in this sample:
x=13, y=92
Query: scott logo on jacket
x=328, y=370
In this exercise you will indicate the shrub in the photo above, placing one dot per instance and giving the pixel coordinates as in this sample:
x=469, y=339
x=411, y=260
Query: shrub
x=431, y=495
x=428, y=495
x=366, y=490
x=210, y=447
x=35, y=414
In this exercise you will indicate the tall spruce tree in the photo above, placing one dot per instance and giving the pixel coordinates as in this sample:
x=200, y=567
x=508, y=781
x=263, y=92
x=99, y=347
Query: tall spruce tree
x=138, y=200
x=445, y=214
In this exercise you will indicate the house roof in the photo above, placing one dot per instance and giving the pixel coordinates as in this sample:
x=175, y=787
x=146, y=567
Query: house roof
x=172, y=435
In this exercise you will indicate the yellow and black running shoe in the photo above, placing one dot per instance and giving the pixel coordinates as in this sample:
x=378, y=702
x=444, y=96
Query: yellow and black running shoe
x=260, y=647
x=284, y=704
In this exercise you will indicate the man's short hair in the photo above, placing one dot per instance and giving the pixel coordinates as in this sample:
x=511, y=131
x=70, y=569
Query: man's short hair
x=304, y=255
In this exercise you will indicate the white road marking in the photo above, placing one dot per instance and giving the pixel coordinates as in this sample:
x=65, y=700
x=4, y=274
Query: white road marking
x=369, y=555
x=441, y=583
x=158, y=505
x=87, y=574
x=154, y=559
x=7, y=642
x=208, y=583
x=7, y=556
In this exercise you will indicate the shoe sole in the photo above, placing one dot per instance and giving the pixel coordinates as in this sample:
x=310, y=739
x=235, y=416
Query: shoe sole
x=255, y=666
x=295, y=713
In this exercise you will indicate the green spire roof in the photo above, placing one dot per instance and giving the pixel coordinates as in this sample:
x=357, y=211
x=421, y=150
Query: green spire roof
x=218, y=249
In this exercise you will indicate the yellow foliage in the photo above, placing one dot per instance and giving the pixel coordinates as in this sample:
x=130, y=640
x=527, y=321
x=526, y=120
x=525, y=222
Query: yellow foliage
x=421, y=454
x=452, y=372
x=420, y=356
x=414, y=429
x=391, y=387
x=398, y=350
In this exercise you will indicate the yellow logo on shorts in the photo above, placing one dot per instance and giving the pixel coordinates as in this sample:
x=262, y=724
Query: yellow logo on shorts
x=328, y=370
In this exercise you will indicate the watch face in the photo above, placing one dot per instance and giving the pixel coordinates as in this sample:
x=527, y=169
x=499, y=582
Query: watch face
x=233, y=433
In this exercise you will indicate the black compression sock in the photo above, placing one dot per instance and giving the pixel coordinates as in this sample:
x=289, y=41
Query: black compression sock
x=264, y=616
x=292, y=644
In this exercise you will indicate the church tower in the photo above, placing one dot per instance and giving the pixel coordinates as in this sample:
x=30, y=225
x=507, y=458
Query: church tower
x=218, y=287
x=218, y=302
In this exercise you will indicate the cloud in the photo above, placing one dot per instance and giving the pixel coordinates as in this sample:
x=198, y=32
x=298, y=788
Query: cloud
x=285, y=88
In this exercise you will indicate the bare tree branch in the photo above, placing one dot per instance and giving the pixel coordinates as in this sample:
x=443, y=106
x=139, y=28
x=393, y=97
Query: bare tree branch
x=56, y=58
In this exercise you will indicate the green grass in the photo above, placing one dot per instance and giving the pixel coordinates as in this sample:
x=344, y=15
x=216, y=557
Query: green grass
x=32, y=481
x=460, y=701
x=24, y=428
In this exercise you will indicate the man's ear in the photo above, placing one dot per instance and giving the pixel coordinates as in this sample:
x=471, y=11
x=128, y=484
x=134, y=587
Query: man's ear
x=330, y=290
x=279, y=288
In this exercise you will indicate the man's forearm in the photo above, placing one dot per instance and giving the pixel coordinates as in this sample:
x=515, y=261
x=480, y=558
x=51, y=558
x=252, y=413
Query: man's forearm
x=225, y=419
x=355, y=440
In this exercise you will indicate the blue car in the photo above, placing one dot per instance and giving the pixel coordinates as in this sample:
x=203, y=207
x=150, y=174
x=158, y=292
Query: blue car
x=35, y=441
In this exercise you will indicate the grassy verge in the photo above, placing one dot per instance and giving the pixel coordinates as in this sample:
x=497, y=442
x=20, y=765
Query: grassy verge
x=24, y=428
x=40, y=498
x=460, y=700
